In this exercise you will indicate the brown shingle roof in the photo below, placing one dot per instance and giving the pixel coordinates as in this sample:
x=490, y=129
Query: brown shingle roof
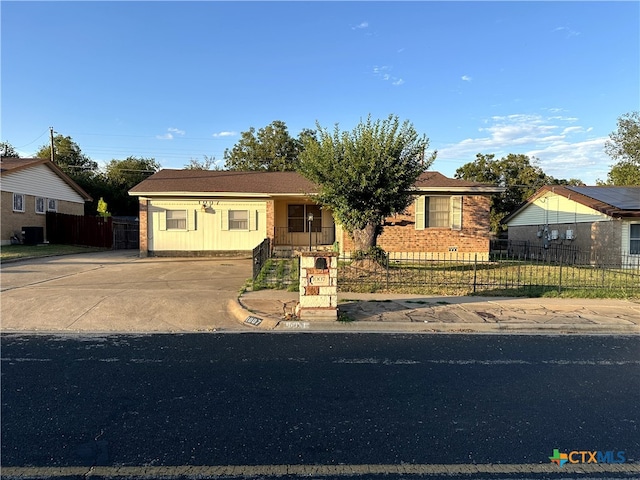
x=224, y=181
x=269, y=183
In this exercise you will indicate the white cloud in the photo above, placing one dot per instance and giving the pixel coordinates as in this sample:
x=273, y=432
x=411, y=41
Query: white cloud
x=170, y=134
x=360, y=26
x=466, y=78
x=564, y=150
x=225, y=134
x=569, y=32
x=177, y=131
x=383, y=73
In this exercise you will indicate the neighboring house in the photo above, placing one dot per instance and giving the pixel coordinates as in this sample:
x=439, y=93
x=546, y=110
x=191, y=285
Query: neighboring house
x=203, y=212
x=604, y=221
x=31, y=187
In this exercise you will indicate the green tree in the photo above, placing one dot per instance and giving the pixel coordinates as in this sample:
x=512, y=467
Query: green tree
x=205, y=164
x=103, y=208
x=271, y=148
x=69, y=157
x=624, y=146
x=122, y=175
x=7, y=150
x=518, y=174
x=367, y=174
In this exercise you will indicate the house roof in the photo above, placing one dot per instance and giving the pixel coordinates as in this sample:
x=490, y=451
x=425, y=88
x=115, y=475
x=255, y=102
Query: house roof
x=617, y=202
x=190, y=182
x=9, y=165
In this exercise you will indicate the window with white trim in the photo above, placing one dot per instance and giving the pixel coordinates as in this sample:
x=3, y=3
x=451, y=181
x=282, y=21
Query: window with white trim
x=52, y=205
x=40, y=202
x=634, y=239
x=238, y=220
x=176, y=219
x=18, y=202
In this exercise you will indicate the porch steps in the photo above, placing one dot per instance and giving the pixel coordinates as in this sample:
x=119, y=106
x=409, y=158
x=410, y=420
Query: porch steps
x=289, y=251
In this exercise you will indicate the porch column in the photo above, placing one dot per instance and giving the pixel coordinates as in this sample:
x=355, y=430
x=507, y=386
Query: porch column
x=143, y=224
x=271, y=222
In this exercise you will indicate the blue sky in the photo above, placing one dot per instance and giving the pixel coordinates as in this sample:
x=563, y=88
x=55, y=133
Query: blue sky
x=179, y=80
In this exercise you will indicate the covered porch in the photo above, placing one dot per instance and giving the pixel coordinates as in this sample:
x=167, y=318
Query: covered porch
x=301, y=224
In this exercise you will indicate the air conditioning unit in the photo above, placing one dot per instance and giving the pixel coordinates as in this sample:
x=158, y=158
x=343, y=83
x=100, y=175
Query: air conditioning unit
x=569, y=235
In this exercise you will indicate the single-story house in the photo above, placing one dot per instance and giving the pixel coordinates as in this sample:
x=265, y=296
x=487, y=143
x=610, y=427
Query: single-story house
x=31, y=187
x=604, y=221
x=203, y=212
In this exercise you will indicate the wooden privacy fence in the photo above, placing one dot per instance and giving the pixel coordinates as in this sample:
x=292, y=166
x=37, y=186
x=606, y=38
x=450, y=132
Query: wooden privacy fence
x=79, y=230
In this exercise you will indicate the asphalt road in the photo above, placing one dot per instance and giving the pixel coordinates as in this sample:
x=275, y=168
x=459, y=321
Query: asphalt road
x=267, y=405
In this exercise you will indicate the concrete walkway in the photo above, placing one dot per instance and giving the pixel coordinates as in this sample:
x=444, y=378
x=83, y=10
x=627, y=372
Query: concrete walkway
x=269, y=309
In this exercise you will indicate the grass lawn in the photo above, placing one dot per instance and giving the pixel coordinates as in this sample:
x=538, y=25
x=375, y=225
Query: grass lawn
x=13, y=252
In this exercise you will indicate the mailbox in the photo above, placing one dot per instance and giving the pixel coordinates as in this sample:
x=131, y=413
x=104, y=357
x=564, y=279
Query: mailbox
x=318, y=286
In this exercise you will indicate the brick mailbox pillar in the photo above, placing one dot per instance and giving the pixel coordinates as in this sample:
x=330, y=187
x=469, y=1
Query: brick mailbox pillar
x=318, y=286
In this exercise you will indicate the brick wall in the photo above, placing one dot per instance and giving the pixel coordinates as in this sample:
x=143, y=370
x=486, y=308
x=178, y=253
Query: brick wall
x=144, y=225
x=12, y=222
x=400, y=235
x=271, y=221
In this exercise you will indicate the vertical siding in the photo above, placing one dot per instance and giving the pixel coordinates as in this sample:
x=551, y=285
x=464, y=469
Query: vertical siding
x=205, y=228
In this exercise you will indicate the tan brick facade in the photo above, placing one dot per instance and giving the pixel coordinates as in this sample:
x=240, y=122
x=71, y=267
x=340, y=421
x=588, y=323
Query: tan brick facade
x=12, y=222
x=271, y=221
x=400, y=234
x=144, y=225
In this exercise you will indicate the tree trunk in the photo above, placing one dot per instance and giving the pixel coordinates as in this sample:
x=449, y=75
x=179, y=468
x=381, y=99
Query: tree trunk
x=365, y=238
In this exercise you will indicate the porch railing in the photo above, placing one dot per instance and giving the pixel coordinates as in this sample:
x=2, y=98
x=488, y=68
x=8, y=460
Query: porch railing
x=324, y=236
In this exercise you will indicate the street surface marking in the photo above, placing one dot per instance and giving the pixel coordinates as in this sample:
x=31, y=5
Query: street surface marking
x=252, y=471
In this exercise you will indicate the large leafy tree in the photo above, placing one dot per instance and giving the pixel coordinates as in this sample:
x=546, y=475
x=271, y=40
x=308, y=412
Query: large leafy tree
x=7, y=150
x=69, y=157
x=367, y=174
x=624, y=147
x=517, y=173
x=84, y=171
x=122, y=175
x=207, y=163
x=270, y=148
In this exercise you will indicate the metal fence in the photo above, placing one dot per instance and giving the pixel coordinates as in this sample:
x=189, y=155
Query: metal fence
x=261, y=254
x=459, y=274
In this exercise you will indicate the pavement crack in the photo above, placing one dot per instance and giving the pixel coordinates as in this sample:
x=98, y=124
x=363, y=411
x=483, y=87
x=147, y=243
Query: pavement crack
x=50, y=279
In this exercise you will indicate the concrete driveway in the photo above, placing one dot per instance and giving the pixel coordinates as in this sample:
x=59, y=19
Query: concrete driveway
x=117, y=291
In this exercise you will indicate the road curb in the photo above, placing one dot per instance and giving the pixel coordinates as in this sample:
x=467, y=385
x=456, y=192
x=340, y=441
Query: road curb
x=248, y=318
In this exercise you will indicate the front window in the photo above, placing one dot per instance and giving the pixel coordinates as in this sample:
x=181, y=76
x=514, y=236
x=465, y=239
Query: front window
x=437, y=212
x=443, y=212
x=40, y=205
x=298, y=218
x=634, y=238
x=18, y=202
x=176, y=219
x=238, y=220
x=52, y=205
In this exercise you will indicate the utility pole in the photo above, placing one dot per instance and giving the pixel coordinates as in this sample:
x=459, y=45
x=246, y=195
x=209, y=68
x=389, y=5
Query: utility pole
x=51, y=135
